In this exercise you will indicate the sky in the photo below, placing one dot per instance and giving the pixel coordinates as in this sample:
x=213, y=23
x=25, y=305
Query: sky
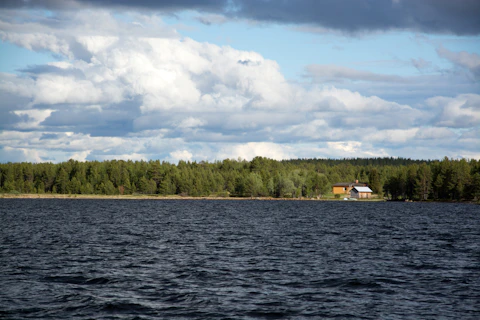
x=207, y=80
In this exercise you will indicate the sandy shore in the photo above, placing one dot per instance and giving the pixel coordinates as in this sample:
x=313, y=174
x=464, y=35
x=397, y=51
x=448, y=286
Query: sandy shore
x=149, y=197
x=131, y=197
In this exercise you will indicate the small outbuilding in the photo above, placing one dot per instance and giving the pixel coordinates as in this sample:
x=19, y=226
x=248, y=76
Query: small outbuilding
x=361, y=193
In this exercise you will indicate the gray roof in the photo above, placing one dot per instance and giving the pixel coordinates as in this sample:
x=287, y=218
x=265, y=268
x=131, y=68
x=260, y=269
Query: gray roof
x=363, y=189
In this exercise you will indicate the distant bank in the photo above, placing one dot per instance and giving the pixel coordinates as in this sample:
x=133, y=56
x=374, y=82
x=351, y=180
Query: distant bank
x=154, y=197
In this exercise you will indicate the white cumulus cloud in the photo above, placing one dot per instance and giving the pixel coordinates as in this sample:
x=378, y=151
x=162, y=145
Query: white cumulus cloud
x=131, y=87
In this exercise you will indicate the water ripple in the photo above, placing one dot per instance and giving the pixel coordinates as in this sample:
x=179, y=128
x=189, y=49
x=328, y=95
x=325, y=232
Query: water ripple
x=90, y=259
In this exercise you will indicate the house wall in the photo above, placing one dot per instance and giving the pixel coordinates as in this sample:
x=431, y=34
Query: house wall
x=341, y=190
x=360, y=195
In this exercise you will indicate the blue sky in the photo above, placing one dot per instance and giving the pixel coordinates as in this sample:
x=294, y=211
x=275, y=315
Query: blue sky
x=13, y=57
x=198, y=80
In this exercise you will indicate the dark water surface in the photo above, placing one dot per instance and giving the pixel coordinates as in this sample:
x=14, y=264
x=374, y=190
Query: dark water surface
x=182, y=259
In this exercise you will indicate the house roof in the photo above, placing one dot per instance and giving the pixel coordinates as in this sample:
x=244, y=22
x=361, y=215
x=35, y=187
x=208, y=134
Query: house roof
x=341, y=184
x=363, y=189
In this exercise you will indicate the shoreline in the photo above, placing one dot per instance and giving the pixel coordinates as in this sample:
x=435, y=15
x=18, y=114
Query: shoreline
x=177, y=197
x=156, y=197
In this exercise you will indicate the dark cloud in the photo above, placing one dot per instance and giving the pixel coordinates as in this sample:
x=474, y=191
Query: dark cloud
x=49, y=136
x=350, y=16
x=335, y=73
x=95, y=123
x=432, y=16
x=34, y=70
x=9, y=103
x=115, y=121
x=209, y=19
x=207, y=5
x=9, y=119
x=463, y=59
x=80, y=51
x=407, y=90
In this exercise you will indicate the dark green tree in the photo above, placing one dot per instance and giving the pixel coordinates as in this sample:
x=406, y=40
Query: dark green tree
x=374, y=181
x=62, y=181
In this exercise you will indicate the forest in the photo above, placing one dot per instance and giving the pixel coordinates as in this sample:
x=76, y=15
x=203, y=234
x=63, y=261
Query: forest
x=391, y=178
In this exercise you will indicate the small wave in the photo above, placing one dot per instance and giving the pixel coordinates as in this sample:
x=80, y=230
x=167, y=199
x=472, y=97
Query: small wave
x=345, y=283
x=75, y=297
x=77, y=280
x=25, y=311
x=390, y=281
x=271, y=314
x=260, y=270
x=422, y=266
x=261, y=260
x=100, y=280
x=126, y=307
x=362, y=283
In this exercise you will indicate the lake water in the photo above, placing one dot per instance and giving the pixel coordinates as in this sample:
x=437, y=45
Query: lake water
x=194, y=259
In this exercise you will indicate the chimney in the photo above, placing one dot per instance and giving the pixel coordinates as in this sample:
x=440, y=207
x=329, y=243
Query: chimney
x=356, y=181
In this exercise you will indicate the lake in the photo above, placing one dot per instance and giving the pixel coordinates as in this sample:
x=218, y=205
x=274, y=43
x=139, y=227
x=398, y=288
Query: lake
x=208, y=259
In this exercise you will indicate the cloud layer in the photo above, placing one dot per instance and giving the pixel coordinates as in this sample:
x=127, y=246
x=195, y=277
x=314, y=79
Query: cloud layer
x=351, y=16
x=151, y=93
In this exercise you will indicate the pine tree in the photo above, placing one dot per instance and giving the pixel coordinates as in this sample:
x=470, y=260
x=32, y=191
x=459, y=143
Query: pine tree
x=374, y=182
x=62, y=181
x=423, y=182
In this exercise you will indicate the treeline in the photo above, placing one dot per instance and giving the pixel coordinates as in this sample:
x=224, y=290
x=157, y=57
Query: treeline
x=394, y=178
